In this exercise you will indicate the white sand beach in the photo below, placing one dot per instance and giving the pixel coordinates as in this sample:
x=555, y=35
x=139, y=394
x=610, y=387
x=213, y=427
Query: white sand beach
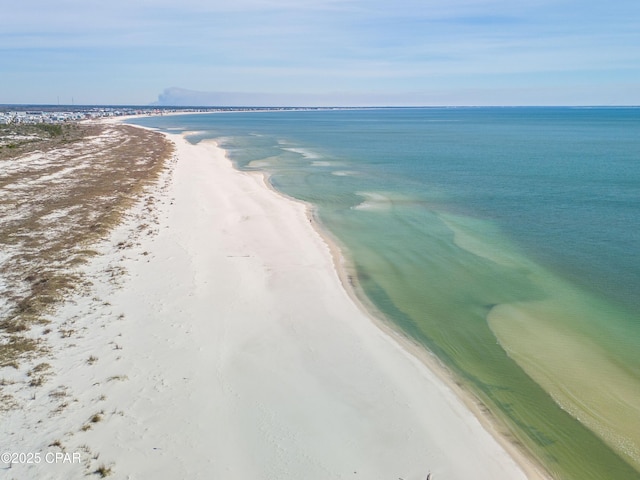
x=218, y=343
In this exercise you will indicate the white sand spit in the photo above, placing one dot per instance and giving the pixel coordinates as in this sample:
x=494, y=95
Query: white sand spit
x=230, y=350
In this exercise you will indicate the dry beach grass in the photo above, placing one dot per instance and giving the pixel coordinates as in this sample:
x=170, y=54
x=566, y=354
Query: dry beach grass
x=62, y=188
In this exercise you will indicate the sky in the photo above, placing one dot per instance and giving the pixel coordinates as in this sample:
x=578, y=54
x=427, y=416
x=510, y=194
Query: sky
x=321, y=52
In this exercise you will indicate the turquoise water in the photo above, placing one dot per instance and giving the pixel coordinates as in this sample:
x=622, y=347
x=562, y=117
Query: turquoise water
x=505, y=240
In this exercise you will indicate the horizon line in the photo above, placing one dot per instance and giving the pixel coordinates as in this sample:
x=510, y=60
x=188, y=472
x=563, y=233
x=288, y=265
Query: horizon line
x=299, y=107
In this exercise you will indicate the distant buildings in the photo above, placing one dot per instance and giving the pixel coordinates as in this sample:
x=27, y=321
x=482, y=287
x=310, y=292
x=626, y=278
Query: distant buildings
x=39, y=117
x=11, y=115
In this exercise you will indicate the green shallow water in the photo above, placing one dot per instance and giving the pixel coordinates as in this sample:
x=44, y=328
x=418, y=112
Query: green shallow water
x=501, y=240
x=441, y=295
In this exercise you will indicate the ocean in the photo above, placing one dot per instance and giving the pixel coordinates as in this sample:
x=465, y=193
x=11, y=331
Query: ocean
x=506, y=241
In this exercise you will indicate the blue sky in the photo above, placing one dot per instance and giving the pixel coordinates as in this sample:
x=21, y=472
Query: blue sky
x=361, y=52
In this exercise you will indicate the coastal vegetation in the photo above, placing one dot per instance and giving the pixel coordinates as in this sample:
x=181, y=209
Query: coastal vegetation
x=17, y=139
x=63, y=187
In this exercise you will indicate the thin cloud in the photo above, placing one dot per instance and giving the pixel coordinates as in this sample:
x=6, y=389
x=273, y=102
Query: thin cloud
x=319, y=45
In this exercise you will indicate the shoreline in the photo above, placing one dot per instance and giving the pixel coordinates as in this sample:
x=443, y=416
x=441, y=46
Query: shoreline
x=221, y=343
x=531, y=466
x=533, y=469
